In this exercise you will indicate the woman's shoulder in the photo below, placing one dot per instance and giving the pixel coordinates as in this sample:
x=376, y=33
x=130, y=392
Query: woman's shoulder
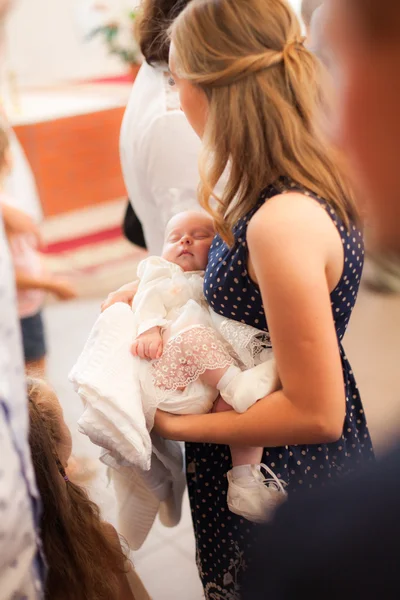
x=287, y=207
x=290, y=216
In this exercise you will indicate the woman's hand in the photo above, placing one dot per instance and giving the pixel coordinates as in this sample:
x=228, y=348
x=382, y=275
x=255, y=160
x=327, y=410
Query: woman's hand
x=124, y=294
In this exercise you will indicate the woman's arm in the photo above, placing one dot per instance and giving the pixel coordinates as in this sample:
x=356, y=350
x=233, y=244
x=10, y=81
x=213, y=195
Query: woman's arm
x=304, y=262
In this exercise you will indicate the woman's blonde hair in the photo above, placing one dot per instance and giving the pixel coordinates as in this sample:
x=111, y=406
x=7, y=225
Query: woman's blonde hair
x=265, y=92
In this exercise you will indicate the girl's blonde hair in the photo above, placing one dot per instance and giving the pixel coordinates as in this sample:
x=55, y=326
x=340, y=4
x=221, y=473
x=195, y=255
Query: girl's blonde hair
x=265, y=92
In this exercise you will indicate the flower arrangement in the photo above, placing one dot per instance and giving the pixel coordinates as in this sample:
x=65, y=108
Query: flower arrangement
x=116, y=27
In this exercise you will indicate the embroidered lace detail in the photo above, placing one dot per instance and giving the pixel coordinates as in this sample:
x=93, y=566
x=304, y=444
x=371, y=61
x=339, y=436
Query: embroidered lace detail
x=187, y=356
x=231, y=589
x=248, y=342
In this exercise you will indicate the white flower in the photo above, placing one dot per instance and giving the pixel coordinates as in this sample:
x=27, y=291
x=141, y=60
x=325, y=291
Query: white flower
x=228, y=579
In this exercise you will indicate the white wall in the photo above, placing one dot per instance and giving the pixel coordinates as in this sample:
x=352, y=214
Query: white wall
x=45, y=44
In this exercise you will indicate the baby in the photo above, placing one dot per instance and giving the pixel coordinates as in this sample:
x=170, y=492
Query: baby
x=185, y=355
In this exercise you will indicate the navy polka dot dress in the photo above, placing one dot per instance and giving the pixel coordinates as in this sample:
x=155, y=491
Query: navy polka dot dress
x=222, y=537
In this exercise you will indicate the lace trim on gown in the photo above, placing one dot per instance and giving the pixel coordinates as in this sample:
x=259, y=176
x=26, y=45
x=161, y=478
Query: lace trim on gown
x=187, y=356
x=248, y=342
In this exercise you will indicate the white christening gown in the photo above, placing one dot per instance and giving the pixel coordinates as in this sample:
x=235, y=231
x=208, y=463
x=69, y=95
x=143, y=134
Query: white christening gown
x=122, y=392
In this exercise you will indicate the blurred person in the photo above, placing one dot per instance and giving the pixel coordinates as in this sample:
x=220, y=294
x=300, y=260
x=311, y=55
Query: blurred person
x=343, y=542
x=21, y=565
x=383, y=272
x=20, y=183
x=84, y=555
x=159, y=150
x=367, y=51
x=31, y=278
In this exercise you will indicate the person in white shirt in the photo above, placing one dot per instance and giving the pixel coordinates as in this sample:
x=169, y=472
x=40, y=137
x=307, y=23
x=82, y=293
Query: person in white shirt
x=308, y=9
x=159, y=150
x=318, y=38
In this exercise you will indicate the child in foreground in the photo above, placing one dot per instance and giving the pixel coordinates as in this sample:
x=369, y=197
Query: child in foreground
x=84, y=555
x=185, y=356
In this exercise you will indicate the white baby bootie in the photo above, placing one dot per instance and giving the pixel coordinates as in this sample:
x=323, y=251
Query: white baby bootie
x=242, y=389
x=170, y=512
x=251, y=495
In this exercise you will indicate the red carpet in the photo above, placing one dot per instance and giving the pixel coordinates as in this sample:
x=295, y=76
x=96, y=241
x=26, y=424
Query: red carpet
x=85, y=240
x=97, y=258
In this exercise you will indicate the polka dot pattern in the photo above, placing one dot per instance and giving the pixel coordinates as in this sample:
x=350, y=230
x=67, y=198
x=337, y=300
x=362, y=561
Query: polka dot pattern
x=223, y=538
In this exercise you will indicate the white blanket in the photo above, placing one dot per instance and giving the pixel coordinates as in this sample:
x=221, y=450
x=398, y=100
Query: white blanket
x=121, y=393
x=103, y=376
x=146, y=472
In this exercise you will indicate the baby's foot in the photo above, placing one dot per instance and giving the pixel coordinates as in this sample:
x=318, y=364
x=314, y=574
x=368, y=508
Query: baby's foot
x=247, y=387
x=252, y=496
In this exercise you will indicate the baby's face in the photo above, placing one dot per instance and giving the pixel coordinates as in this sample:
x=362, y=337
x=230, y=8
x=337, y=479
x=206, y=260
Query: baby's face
x=188, y=239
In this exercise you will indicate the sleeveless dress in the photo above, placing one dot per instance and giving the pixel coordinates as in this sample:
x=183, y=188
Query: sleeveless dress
x=222, y=538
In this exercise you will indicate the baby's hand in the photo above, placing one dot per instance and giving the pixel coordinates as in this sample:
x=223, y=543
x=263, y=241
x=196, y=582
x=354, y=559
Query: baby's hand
x=149, y=345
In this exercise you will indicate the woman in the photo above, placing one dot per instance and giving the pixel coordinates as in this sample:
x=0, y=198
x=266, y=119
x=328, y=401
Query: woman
x=355, y=523
x=159, y=150
x=84, y=556
x=288, y=251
